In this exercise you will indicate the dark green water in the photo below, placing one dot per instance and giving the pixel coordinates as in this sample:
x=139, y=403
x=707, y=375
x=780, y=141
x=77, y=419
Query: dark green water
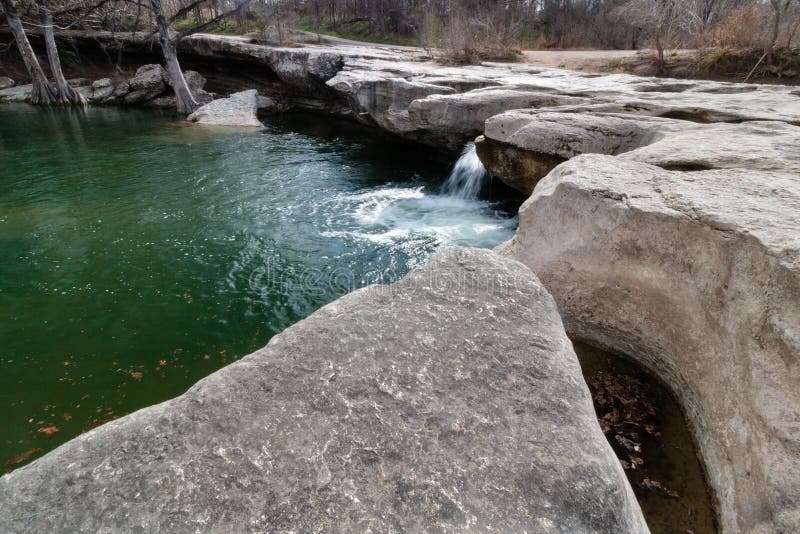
x=138, y=256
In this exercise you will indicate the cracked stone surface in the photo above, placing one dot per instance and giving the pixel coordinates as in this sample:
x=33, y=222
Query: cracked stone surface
x=697, y=276
x=386, y=410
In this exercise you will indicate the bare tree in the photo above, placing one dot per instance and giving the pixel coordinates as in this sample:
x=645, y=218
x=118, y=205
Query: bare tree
x=42, y=91
x=66, y=95
x=779, y=10
x=661, y=20
x=184, y=100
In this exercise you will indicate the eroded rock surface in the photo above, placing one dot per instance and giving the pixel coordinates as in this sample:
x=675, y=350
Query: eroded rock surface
x=6, y=82
x=545, y=138
x=387, y=410
x=239, y=109
x=697, y=276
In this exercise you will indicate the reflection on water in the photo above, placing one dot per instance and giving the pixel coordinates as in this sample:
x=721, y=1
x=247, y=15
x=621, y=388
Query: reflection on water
x=138, y=255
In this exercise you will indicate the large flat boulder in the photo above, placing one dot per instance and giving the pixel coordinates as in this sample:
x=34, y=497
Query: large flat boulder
x=757, y=145
x=239, y=109
x=384, y=100
x=387, y=410
x=697, y=276
x=521, y=146
x=463, y=115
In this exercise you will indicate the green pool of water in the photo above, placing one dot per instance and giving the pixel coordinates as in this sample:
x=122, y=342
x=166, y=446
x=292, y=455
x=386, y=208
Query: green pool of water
x=138, y=255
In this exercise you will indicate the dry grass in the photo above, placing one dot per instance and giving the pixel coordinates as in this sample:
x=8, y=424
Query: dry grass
x=736, y=63
x=470, y=39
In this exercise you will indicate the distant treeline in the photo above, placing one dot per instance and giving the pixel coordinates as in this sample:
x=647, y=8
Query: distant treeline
x=462, y=30
x=504, y=24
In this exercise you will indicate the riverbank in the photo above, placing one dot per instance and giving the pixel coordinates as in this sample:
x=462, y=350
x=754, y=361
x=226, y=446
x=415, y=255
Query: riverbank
x=689, y=262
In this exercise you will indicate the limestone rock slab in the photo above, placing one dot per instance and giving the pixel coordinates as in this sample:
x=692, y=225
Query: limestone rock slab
x=546, y=138
x=16, y=93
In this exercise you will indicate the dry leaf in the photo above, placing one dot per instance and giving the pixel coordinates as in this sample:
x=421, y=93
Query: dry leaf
x=22, y=457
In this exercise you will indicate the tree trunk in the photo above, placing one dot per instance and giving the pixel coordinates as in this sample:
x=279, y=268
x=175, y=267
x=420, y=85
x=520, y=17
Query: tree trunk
x=659, y=53
x=184, y=101
x=778, y=9
x=66, y=95
x=42, y=92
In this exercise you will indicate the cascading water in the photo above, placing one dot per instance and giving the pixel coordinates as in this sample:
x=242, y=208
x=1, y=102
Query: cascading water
x=455, y=215
x=467, y=177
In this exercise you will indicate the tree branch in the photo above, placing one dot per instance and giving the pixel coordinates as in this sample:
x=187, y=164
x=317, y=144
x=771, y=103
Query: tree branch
x=215, y=20
x=184, y=10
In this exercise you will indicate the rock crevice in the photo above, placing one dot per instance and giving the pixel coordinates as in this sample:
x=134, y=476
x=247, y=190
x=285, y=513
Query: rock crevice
x=697, y=276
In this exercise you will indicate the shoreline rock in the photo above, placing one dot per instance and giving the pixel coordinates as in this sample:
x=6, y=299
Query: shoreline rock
x=239, y=109
x=385, y=410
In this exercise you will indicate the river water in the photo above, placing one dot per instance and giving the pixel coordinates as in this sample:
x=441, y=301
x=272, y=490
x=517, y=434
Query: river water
x=138, y=255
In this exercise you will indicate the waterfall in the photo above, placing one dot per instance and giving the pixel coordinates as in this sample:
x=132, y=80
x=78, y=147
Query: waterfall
x=467, y=177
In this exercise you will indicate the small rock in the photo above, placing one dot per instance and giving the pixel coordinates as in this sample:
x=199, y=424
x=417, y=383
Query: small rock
x=102, y=83
x=6, y=82
x=194, y=80
x=237, y=110
x=146, y=84
x=162, y=102
x=122, y=89
x=101, y=89
x=79, y=82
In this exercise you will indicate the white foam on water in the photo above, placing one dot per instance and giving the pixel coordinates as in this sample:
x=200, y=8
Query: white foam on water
x=395, y=216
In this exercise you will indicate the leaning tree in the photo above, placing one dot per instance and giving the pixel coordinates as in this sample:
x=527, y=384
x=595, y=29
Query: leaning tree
x=184, y=100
